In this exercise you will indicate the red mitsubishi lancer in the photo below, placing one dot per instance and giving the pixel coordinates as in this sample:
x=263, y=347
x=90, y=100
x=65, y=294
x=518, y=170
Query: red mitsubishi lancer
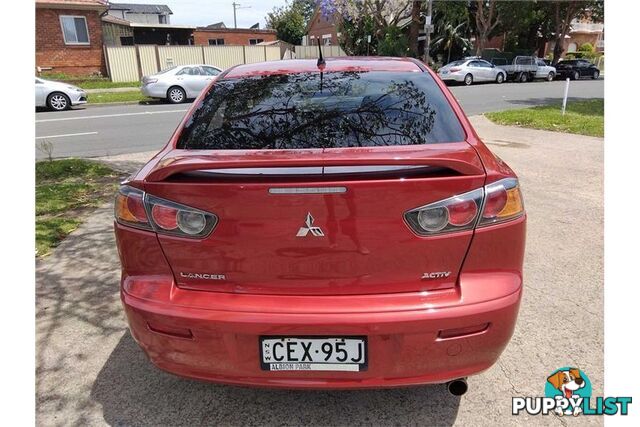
x=323, y=225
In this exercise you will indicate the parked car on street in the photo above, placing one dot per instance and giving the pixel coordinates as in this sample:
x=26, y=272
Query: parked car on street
x=521, y=69
x=58, y=96
x=323, y=225
x=177, y=84
x=577, y=68
x=544, y=70
x=469, y=71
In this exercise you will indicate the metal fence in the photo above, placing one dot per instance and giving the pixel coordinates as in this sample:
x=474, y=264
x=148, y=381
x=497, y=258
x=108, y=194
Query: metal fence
x=306, y=52
x=130, y=63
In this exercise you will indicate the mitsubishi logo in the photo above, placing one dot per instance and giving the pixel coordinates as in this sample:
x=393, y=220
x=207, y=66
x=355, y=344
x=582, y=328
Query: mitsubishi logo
x=309, y=228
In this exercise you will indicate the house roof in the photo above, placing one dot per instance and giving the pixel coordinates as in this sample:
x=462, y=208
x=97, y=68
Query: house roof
x=73, y=4
x=115, y=20
x=216, y=25
x=155, y=9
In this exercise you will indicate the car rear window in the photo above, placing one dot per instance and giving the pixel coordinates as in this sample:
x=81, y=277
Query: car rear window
x=322, y=110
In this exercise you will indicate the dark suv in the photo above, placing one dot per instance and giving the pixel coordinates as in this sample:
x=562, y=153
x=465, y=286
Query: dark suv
x=577, y=68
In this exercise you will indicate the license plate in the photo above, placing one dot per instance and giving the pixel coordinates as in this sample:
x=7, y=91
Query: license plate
x=313, y=353
x=443, y=72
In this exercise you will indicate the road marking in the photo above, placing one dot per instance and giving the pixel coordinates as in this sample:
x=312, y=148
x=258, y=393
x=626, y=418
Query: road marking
x=67, y=134
x=110, y=115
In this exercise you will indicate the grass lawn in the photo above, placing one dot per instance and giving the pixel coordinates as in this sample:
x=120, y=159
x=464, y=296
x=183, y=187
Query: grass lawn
x=101, y=98
x=104, y=84
x=582, y=117
x=66, y=189
x=88, y=82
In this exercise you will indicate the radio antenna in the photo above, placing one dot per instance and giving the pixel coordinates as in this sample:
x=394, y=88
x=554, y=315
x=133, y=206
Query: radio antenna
x=321, y=61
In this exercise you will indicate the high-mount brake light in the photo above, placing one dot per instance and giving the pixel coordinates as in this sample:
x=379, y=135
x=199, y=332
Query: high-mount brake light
x=137, y=209
x=498, y=202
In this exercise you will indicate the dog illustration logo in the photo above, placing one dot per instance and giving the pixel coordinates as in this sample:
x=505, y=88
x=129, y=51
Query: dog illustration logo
x=568, y=383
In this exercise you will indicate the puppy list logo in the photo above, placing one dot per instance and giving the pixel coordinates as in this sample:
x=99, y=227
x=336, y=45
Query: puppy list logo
x=568, y=392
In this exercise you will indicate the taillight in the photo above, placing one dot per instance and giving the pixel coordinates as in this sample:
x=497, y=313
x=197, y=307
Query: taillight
x=162, y=216
x=496, y=202
x=129, y=208
x=503, y=201
x=455, y=69
x=456, y=213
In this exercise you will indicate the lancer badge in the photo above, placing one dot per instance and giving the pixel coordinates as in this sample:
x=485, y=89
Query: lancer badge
x=309, y=228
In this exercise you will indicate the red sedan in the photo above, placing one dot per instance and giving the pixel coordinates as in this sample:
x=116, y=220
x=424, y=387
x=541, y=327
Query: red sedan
x=331, y=224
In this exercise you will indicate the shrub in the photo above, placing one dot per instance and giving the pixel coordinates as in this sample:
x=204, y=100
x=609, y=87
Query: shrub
x=394, y=43
x=587, y=47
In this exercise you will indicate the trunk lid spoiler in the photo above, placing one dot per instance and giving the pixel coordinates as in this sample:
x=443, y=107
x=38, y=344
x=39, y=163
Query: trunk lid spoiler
x=457, y=156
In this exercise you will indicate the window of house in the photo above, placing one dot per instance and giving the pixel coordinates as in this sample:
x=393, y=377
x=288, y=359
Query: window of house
x=255, y=41
x=74, y=29
x=162, y=19
x=216, y=42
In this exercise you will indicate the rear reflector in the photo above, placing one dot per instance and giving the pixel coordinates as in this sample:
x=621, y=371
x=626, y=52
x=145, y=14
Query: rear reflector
x=462, y=332
x=170, y=330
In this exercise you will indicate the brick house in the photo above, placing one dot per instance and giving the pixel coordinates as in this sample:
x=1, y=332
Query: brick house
x=69, y=36
x=232, y=36
x=322, y=27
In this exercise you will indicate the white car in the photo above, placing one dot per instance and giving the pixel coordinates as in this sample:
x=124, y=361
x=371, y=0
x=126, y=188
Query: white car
x=58, y=96
x=545, y=71
x=469, y=71
x=177, y=84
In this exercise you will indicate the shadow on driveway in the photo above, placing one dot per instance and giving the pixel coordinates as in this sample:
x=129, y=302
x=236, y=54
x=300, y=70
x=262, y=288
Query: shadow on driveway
x=132, y=391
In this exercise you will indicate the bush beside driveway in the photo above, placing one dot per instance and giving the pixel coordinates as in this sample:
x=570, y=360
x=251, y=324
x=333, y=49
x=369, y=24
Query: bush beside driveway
x=90, y=371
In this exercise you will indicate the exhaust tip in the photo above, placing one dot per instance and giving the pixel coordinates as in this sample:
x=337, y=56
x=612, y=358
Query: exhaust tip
x=458, y=387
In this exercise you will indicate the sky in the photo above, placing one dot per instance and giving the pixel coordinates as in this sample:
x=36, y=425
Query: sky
x=205, y=12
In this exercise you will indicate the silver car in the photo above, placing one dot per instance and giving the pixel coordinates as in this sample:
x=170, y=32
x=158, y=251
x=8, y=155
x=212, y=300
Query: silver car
x=469, y=71
x=545, y=71
x=177, y=84
x=58, y=96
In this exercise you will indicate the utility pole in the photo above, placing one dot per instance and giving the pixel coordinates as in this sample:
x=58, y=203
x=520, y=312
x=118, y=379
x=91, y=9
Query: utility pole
x=235, y=7
x=428, y=29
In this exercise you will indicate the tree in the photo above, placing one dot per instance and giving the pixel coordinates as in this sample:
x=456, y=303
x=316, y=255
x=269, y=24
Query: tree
x=358, y=19
x=290, y=21
x=394, y=43
x=451, y=37
x=563, y=12
x=385, y=13
x=353, y=36
x=414, y=26
x=451, y=29
x=525, y=24
x=486, y=20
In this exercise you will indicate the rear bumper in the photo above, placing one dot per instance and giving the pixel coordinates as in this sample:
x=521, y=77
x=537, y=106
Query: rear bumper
x=452, y=77
x=214, y=336
x=154, y=90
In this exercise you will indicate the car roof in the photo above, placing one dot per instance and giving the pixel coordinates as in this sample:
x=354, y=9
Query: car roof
x=343, y=63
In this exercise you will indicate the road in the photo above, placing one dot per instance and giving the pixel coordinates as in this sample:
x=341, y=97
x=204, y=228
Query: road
x=107, y=131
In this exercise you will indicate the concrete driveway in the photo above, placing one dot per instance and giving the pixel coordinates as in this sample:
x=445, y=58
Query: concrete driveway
x=89, y=370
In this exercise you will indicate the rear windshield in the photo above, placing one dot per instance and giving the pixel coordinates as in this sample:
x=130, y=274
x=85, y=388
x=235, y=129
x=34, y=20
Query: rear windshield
x=328, y=110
